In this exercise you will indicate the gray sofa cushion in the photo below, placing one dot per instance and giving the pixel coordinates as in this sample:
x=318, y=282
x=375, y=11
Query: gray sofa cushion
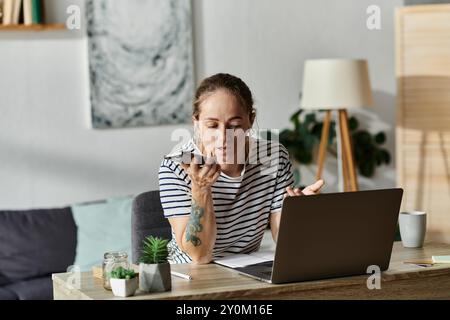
x=35, y=243
x=147, y=219
x=33, y=289
x=6, y=294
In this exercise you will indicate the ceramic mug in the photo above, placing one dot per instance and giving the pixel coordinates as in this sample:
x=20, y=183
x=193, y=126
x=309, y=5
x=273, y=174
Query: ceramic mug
x=413, y=225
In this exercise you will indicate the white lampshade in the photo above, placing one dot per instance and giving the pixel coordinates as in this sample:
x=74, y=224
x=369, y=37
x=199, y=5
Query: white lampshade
x=336, y=84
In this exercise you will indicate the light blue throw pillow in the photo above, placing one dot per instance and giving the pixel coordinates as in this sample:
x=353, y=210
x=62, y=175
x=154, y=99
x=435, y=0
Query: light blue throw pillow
x=102, y=226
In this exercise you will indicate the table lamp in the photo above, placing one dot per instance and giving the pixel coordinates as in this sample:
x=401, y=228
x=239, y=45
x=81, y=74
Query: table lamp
x=337, y=84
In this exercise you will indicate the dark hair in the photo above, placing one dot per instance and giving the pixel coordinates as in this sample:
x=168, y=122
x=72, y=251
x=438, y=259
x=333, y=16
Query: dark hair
x=228, y=82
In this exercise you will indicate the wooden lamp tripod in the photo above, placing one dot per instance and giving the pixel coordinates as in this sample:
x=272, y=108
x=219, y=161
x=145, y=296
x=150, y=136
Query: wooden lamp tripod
x=333, y=84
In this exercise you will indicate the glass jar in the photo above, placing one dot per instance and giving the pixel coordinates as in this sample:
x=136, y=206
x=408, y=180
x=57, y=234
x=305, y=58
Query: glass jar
x=112, y=260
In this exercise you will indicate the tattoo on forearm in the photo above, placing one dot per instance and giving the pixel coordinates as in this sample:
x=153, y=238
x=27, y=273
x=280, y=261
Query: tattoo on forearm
x=194, y=226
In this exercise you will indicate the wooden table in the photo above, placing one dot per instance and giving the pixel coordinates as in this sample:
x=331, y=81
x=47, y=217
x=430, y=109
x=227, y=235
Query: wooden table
x=400, y=281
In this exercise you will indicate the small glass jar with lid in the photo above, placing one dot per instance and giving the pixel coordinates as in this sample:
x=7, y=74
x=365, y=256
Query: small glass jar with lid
x=112, y=260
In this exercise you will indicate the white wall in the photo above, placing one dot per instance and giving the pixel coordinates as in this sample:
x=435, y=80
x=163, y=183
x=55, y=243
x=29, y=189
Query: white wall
x=48, y=154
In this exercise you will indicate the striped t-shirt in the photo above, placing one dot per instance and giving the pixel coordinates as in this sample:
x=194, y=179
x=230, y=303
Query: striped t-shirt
x=242, y=205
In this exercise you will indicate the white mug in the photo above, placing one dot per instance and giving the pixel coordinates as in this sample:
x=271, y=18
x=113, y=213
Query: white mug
x=413, y=225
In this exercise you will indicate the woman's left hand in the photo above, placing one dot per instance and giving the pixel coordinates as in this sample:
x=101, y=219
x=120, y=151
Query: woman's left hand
x=309, y=190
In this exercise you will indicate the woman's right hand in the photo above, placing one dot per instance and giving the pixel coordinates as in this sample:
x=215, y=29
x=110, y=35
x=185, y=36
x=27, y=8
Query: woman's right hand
x=202, y=178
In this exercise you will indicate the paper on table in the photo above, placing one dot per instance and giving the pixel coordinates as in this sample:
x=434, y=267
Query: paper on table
x=441, y=259
x=241, y=260
x=268, y=255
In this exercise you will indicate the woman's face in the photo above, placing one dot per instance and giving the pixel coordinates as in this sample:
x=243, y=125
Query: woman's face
x=221, y=127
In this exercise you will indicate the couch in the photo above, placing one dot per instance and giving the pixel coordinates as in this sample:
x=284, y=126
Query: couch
x=33, y=245
x=36, y=243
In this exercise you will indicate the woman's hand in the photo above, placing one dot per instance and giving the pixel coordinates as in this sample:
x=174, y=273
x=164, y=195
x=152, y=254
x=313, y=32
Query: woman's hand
x=309, y=190
x=202, y=178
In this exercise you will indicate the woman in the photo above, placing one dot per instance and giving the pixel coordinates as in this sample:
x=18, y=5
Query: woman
x=223, y=208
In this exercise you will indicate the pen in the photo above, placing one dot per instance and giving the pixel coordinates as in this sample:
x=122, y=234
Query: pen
x=181, y=275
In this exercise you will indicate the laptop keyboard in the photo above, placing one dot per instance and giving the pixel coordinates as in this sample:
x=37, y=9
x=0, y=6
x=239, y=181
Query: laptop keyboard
x=264, y=264
x=263, y=269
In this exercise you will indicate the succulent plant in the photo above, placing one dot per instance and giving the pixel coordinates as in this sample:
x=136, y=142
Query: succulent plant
x=154, y=250
x=122, y=273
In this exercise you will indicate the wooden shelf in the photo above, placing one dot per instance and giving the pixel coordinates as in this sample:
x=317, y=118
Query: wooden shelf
x=33, y=27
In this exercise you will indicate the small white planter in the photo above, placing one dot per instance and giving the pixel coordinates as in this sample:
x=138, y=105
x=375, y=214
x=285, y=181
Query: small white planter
x=124, y=287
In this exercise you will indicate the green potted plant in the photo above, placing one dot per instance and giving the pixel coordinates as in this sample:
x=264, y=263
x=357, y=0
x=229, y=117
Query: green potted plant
x=154, y=270
x=124, y=282
x=302, y=140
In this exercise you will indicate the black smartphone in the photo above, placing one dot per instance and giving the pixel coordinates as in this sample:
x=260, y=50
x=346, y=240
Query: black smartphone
x=187, y=157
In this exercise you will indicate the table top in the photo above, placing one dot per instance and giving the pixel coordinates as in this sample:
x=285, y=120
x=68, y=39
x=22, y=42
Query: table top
x=212, y=281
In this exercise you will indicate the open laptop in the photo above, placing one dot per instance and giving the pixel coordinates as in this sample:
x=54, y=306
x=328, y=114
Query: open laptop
x=332, y=235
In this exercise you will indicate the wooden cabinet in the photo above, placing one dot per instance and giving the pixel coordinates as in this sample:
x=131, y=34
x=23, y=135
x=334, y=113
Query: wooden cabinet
x=423, y=113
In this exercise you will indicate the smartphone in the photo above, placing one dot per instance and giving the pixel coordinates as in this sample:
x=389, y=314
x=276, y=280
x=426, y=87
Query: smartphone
x=187, y=157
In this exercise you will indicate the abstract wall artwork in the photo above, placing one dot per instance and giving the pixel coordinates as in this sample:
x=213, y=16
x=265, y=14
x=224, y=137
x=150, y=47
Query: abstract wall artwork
x=140, y=62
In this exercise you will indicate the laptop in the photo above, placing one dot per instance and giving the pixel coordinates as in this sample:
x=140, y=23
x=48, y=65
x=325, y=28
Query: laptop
x=332, y=235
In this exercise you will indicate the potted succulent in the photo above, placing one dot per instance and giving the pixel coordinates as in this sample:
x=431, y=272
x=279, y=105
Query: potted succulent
x=154, y=270
x=124, y=282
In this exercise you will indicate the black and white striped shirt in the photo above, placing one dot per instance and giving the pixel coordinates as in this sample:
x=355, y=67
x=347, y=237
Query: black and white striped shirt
x=242, y=205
